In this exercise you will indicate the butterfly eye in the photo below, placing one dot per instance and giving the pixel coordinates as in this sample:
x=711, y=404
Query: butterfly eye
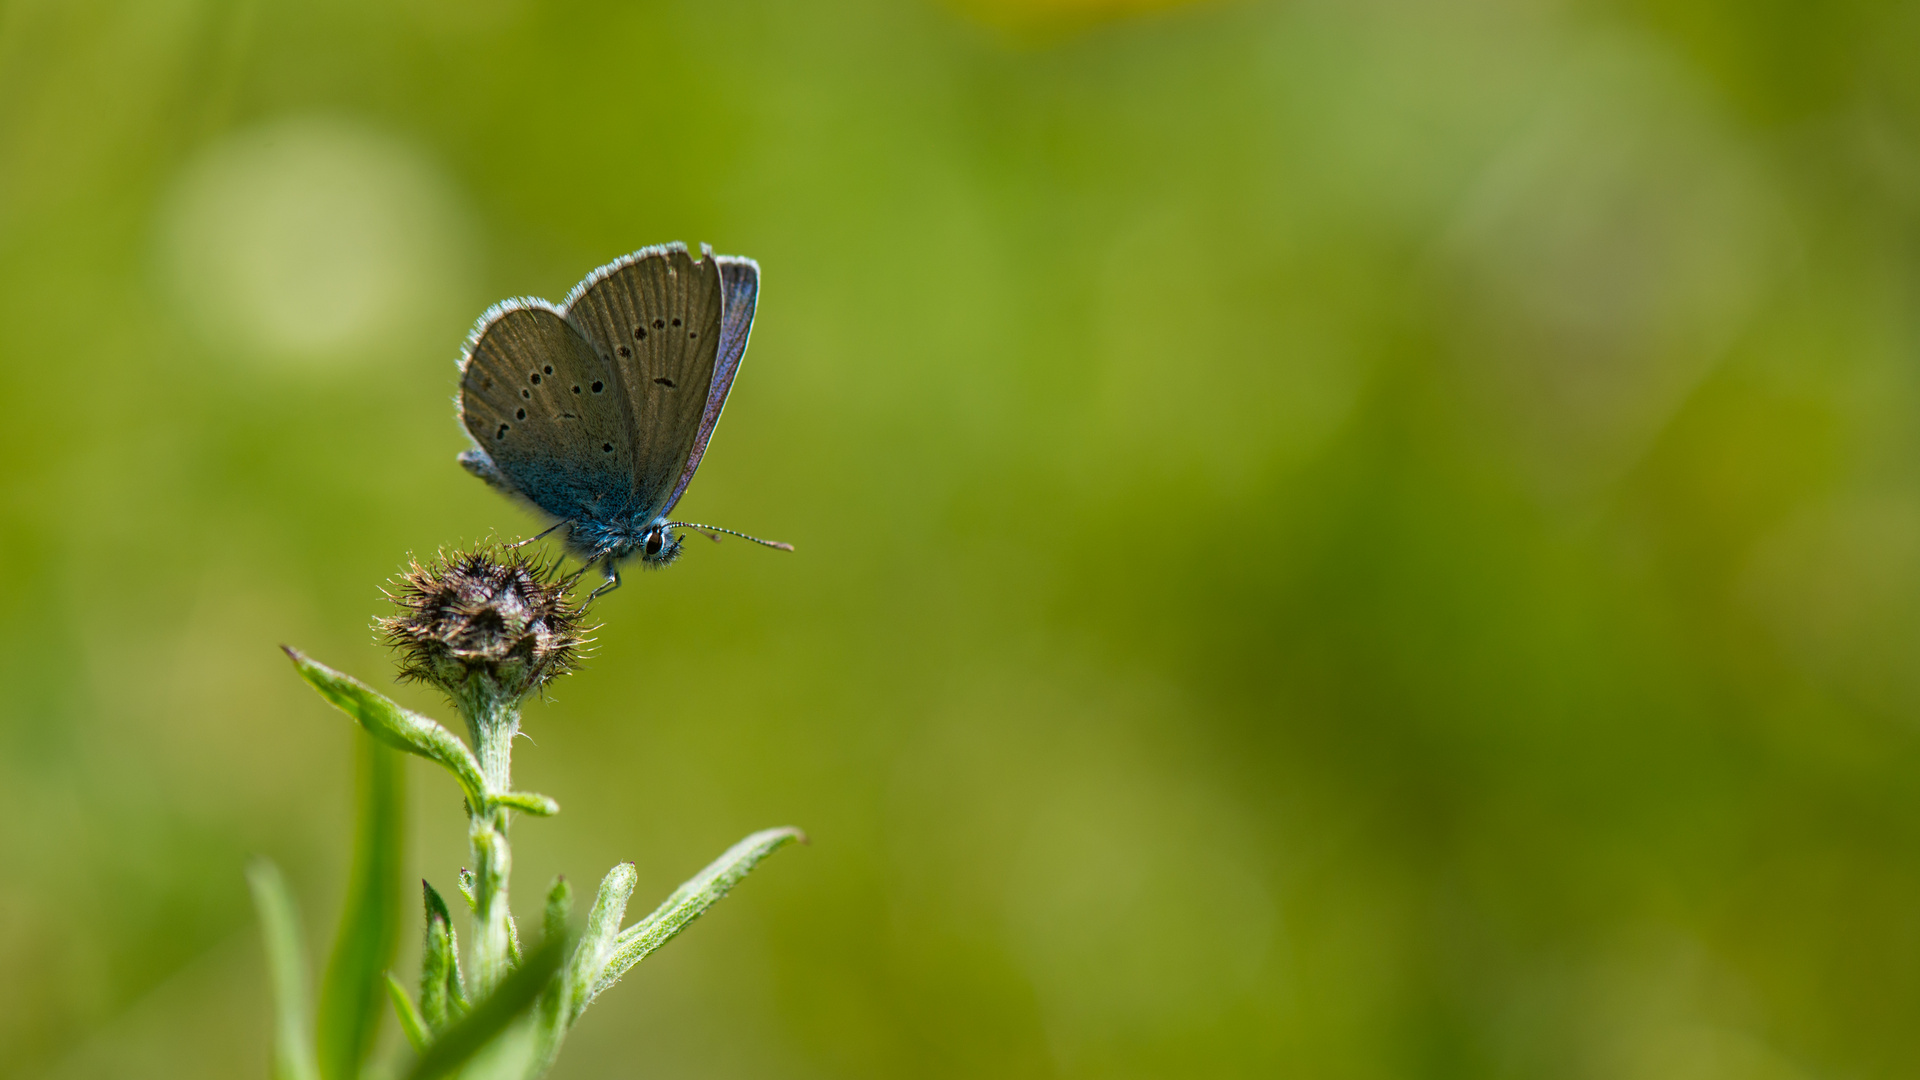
x=654, y=543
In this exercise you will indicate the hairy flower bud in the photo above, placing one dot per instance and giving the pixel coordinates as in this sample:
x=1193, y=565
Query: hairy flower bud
x=486, y=623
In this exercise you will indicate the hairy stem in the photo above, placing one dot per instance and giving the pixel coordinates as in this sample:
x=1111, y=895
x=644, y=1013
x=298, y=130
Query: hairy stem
x=493, y=719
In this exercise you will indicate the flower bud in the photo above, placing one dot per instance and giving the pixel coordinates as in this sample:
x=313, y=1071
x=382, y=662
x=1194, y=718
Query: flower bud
x=486, y=624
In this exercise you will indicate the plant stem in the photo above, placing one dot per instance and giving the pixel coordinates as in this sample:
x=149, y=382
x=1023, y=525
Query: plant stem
x=493, y=719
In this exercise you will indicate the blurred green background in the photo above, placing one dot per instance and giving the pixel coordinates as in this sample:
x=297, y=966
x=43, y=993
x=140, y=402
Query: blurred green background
x=1335, y=540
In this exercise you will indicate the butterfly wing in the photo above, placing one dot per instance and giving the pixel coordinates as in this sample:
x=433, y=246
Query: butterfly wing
x=739, y=294
x=654, y=318
x=546, y=417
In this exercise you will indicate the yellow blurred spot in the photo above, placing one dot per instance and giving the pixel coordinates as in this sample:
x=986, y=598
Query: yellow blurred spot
x=312, y=239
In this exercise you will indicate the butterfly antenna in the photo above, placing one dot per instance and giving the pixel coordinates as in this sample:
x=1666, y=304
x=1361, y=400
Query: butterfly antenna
x=711, y=529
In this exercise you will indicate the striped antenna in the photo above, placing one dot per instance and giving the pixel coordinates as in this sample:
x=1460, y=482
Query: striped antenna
x=709, y=530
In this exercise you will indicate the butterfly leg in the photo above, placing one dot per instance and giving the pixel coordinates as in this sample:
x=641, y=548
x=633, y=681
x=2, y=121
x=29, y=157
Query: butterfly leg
x=537, y=536
x=612, y=582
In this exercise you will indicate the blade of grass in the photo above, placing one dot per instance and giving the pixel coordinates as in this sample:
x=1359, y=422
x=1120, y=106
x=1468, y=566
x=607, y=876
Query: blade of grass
x=411, y=1022
x=687, y=903
x=369, y=934
x=287, y=969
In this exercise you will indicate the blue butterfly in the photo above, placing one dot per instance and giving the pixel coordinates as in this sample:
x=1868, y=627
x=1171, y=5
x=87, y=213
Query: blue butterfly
x=597, y=411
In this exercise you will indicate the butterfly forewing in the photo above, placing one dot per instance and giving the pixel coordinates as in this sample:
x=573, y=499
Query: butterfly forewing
x=655, y=320
x=548, y=413
x=739, y=295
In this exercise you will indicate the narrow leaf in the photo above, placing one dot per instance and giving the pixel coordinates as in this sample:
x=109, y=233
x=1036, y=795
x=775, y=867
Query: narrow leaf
x=443, y=991
x=457, y=1003
x=431, y=902
x=549, y=1023
x=464, y=882
x=286, y=969
x=553, y=921
x=438, y=963
x=597, y=941
x=395, y=726
x=688, y=902
x=370, y=924
x=528, y=803
x=411, y=1022
x=492, y=1014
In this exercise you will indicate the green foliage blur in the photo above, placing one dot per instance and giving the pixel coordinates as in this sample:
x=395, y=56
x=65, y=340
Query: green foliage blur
x=1334, y=540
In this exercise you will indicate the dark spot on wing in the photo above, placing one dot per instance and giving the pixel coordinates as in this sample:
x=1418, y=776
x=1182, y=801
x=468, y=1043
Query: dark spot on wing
x=548, y=369
x=502, y=433
x=676, y=322
x=535, y=377
x=598, y=385
x=519, y=414
x=607, y=446
x=486, y=384
x=624, y=351
x=528, y=394
x=664, y=381
x=639, y=332
x=659, y=323
x=693, y=333
x=576, y=389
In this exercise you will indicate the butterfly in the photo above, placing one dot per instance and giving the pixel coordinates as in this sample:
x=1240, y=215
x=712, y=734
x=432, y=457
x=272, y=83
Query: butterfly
x=597, y=410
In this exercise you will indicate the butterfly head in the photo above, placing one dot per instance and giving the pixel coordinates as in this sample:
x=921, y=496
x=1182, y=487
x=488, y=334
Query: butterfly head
x=659, y=547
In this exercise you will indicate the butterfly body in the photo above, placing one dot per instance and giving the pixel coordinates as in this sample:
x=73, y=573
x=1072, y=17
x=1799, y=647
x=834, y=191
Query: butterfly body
x=597, y=411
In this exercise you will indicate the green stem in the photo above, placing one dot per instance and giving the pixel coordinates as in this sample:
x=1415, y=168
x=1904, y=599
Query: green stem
x=493, y=720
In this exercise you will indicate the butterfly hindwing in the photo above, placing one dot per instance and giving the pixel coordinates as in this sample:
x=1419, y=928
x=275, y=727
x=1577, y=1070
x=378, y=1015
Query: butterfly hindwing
x=654, y=319
x=546, y=413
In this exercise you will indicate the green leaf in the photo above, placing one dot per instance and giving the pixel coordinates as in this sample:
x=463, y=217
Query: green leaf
x=549, y=1024
x=434, y=906
x=370, y=924
x=411, y=1022
x=492, y=1014
x=553, y=921
x=688, y=902
x=286, y=969
x=528, y=803
x=443, y=995
x=597, y=941
x=464, y=882
x=395, y=726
